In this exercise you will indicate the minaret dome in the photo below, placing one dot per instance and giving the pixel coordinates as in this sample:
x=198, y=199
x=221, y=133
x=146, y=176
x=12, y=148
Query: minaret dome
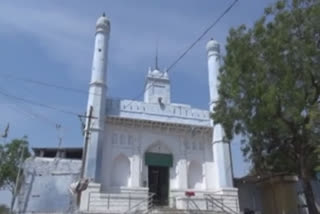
x=213, y=45
x=103, y=23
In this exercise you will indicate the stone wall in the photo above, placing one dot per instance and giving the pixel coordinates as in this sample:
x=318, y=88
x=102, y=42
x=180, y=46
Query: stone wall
x=46, y=183
x=278, y=194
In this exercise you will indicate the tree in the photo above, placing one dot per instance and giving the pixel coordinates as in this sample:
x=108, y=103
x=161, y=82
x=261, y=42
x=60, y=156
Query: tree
x=11, y=156
x=317, y=168
x=269, y=90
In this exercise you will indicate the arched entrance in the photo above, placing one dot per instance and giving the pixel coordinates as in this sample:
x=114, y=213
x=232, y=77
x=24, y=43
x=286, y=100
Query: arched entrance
x=158, y=159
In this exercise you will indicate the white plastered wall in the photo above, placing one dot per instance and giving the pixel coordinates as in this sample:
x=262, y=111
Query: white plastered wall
x=132, y=142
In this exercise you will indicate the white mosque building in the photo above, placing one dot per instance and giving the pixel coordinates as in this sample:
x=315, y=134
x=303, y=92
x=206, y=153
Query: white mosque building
x=140, y=156
x=171, y=152
x=150, y=156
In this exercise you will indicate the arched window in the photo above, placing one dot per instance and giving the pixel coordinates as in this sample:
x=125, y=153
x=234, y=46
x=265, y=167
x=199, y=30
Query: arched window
x=120, y=171
x=195, y=175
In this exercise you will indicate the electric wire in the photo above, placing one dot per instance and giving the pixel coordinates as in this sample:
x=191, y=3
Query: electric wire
x=46, y=84
x=34, y=115
x=202, y=35
x=15, y=106
x=29, y=111
x=175, y=62
x=31, y=102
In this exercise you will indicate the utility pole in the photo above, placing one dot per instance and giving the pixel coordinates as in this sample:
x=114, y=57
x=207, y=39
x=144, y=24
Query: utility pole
x=59, y=131
x=5, y=134
x=86, y=141
x=82, y=182
x=17, y=179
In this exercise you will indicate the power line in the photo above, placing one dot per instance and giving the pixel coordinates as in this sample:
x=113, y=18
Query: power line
x=188, y=49
x=35, y=115
x=31, y=102
x=46, y=84
x=85, y=92
x=28, y=111
x=31, y=113
x=202, y=35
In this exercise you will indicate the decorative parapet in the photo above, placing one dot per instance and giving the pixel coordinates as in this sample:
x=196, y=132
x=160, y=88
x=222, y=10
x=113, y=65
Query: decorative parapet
x=174, y=113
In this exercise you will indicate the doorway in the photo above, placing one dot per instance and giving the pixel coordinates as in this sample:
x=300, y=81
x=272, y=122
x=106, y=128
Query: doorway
x=158, y=177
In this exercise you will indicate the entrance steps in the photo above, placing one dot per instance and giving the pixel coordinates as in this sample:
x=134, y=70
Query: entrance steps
x=158, y=211
x=115, y=202
x=140, y=201
x=130, y=203
x=169, y=210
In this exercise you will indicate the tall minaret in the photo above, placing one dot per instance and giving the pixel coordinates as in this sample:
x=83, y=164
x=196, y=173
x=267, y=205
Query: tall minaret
x=221, y=149
x=97, y=98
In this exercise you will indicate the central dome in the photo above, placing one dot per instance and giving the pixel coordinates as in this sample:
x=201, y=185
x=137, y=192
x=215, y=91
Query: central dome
x=156, y=71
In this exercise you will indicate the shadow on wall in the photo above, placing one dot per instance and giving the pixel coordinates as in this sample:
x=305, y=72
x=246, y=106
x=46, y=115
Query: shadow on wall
x=195, y=175
x=121, y=171
x=51, y=194
x=46, y=185
x=316, y=191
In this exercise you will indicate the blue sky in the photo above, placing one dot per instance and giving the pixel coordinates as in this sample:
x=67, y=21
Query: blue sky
x=52, y=41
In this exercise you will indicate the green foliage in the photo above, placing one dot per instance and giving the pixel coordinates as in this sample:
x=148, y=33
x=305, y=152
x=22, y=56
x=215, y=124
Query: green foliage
x=270, y=86
x=317, y=167
x=270, y=90
x=10, y=155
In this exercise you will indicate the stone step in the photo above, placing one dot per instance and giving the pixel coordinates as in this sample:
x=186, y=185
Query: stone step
x=156, y=212
x=167, y=210
x=115, y=202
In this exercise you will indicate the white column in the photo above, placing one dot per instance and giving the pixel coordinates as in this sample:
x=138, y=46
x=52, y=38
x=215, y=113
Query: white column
x=183, y=174
x=220, y=147
x=136, y=171
x=97, y=99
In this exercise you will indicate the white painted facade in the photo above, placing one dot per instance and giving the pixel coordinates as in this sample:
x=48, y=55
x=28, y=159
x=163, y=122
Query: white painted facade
x=123, y=131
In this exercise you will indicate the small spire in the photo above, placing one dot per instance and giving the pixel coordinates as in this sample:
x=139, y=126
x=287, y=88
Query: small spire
x=104, y=14
x=156, y=58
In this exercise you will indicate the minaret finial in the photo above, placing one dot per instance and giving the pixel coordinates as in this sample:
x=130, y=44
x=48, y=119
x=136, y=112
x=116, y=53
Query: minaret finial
x=104, y=14
x=156, y=58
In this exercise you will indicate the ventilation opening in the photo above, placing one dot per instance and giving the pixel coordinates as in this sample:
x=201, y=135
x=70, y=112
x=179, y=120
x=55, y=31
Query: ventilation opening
x=50, y=154
x=74, y=154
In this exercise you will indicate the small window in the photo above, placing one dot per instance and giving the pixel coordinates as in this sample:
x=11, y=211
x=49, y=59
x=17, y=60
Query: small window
x=99, y=49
